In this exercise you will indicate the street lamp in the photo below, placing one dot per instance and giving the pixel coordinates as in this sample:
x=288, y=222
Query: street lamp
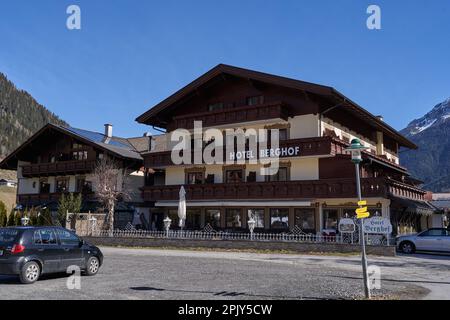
x=251, y=225
x=167, y=221
x=355, y=148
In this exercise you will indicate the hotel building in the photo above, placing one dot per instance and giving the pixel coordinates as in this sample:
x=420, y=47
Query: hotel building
x=312, y=189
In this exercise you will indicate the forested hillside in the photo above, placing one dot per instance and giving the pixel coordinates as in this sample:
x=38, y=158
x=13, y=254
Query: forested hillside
x=20, y=116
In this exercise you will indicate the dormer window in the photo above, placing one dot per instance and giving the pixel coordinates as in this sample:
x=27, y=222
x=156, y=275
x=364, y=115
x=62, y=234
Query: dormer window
x=255, y=100
x=215, y=106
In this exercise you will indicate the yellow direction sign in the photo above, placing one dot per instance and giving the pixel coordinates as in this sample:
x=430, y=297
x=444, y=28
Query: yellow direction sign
x=362, y=213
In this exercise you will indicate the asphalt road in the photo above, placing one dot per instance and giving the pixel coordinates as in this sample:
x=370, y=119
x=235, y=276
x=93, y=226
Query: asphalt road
x=173, y=274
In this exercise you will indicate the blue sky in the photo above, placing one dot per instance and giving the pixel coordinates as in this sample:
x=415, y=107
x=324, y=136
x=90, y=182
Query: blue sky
x=131, y=54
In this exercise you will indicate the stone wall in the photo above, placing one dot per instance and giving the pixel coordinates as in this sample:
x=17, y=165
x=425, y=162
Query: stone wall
x=241, y=244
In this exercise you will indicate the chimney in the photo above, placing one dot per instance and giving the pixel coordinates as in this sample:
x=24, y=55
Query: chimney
x=108, y=130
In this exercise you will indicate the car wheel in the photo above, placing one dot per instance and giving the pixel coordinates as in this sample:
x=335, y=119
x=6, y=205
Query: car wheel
x=407, y=247
x=92, y=266
x=30, y=272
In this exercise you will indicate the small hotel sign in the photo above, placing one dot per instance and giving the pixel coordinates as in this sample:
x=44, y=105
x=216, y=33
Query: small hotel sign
x=377, y=225
x=265, y=153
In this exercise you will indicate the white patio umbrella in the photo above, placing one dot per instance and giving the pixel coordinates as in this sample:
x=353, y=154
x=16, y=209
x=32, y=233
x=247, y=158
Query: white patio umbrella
x=182, y=207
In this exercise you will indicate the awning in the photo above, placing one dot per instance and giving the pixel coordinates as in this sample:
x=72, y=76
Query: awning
x=413, y=206
x=231, y=203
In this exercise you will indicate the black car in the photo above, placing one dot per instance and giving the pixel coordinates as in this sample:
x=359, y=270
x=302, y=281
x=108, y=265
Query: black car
x=31, y=251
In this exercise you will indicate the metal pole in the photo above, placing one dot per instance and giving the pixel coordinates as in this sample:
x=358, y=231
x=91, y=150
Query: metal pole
x=361, y=236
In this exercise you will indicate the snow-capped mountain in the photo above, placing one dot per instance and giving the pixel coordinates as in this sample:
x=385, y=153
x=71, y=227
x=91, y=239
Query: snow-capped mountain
x=439, y=114
x=431, y=162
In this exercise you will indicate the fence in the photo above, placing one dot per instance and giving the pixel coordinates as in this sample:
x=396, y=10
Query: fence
x=219, y=235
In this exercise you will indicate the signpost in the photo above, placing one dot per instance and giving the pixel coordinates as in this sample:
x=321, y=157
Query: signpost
x=361, y=213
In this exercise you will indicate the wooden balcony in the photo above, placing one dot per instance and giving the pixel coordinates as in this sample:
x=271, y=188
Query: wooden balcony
x=43, y=198
x=275, y=110
x=311, y=189
x=58, y=168
x=320, y=146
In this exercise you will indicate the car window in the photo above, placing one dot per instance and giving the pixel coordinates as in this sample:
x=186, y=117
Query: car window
x=68, y=238
x=8, y=235
x=44, y=236
x=434, y=233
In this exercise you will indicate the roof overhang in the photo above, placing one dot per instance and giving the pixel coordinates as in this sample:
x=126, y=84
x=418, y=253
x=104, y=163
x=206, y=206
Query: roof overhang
x=321, y=90
x=10, y=162
x=413, y=206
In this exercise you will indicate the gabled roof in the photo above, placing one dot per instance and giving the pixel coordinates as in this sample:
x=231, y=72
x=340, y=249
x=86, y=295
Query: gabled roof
x=345, y=103
x=119, y=147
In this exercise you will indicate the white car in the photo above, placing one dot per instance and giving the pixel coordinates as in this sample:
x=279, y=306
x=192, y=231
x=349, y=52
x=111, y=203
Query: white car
x=434, y=239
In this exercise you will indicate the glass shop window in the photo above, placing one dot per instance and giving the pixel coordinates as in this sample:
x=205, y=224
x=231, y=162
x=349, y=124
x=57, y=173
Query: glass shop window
x=279, y=218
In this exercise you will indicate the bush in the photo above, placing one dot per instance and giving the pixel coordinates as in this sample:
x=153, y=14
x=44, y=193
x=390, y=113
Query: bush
x=17, y=219
x=3, y=215
x=70, y=203
x=11, y=220
x=45, y=218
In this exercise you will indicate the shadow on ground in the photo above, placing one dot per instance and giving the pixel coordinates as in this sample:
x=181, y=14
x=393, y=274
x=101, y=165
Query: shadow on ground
x=220, y=294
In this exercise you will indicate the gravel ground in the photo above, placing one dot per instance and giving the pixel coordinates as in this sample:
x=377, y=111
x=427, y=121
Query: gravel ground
x=175, y=274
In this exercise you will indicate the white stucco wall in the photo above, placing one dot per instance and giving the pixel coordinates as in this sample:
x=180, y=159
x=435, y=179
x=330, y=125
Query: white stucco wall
x=305, y=126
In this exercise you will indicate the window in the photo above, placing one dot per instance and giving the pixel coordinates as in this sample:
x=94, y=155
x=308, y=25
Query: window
x=434, y=233
x=51, y=158
x=258, y=215
x=62, y=185
x=193, y=218
x=305, y=219
x=255, y=100
x=77, y=145
x=212, y=216
x=44, y=186
x=8, y=235
x=348, y=212
x=99, y=155
x=233, y=218
x=283, y=134
x=234, y=176
x=44, y=236
x=330, y=219
x=81, y=185
x=79, y=155
x=194, y=177
x=279, y=218
x=67, y=238
x=215, y=106
x=281, y=175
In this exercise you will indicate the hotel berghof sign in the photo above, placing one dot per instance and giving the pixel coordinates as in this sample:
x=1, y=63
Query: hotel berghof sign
x=377, y=225
x=265, y=153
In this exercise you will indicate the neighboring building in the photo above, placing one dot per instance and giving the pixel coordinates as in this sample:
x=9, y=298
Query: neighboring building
x=312, y=190
x=8, y=183
x=442, y=202
x=56, y=160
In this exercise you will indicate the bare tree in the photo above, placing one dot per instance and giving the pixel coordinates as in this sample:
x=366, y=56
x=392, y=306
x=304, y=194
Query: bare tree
x=109, y=185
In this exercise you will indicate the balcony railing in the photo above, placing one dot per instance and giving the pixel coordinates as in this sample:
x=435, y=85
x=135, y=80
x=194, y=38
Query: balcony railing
x=404, y=190
x=58, y=168
x=325, y=188
x=232, y=115
x=42, y=198
x=319, y=146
